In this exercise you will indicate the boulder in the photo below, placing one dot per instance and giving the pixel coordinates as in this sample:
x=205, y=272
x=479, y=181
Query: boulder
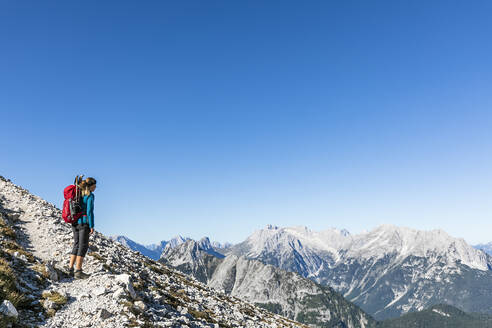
x=131, y=291
x=47, y=304
x=126, y=281
x=140, y=306
x=123, y=278
x=119, y=293
x=8, y=309
x=99, y=291
x=104, y=314
x=52, y=273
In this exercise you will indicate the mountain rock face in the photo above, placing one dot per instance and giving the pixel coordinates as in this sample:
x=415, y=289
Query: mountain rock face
x=282, y=292
x=125, y=288
x=487, y=248
x=192, y=259
x=387, y=272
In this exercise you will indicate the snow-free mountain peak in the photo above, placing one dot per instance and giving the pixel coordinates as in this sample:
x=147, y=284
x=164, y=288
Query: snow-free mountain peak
x=178, y=240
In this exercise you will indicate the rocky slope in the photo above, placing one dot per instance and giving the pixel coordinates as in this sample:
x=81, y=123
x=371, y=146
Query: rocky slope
x=125, y=288
x=279, y=291
x=387, y=272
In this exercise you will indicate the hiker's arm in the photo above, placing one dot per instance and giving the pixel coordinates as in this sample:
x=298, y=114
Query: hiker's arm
x=90, y=210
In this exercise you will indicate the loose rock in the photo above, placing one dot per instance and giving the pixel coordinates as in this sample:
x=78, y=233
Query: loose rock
x=8, y=309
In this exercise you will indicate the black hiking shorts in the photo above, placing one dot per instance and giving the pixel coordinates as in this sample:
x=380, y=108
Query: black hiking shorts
x=80, y=239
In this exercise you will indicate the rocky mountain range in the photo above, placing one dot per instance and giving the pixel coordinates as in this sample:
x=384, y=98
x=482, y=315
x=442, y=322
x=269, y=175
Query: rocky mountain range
x=388, y=272
x=125, y=288
x=285, y=293
x=154, y=251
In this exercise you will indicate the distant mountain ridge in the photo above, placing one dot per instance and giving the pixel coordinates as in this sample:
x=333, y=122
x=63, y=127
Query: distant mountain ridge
x=154, y=251
x=125, y=241
x=388, y=271
x=487, y=248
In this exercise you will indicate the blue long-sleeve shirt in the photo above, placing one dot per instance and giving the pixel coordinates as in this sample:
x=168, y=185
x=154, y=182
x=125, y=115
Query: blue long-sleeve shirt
x=89, y=205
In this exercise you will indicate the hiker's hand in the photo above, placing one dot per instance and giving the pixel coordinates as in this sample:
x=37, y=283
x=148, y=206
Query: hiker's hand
x=92, y=231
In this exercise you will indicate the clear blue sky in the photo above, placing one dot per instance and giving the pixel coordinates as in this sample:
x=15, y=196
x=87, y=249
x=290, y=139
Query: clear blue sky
x=218, y=117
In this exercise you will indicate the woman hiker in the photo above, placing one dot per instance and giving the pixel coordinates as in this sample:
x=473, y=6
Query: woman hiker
x=82, y=228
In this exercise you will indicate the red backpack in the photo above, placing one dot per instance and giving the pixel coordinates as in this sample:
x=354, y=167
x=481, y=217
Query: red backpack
x=72, y=205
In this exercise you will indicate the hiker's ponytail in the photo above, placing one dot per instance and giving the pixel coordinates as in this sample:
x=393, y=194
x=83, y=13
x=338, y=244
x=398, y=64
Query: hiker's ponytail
x=86, y=185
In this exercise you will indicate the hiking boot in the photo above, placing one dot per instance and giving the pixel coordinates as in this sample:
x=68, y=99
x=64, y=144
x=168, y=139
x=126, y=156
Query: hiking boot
x=80, y=275
x=70, y=272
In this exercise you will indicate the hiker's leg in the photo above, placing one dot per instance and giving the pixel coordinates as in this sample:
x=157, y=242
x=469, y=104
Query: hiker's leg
x=72, y=260
x=75, y=248
x=78, y=263
x=83, y=245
